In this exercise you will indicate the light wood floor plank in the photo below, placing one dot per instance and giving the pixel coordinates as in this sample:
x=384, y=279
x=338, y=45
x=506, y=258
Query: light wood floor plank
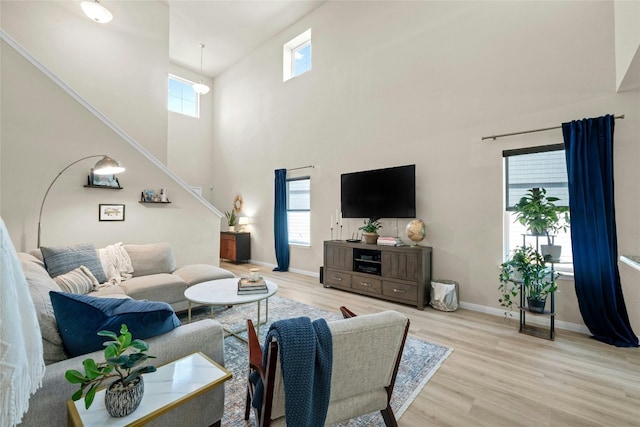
x=496, y=376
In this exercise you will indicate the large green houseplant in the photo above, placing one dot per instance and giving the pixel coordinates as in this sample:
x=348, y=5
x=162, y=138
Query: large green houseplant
x=525, y=267
x=124, y=367
x=538, y=212
x=542, y=217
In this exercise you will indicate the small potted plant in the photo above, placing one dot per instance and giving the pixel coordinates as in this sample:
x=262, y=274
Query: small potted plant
x=122, y=396
x=231, y=219
x=538, y=212
x=526, y=267
x=370, y=231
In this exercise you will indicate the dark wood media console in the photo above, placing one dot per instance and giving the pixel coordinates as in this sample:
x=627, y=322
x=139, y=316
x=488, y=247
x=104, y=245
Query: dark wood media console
x=395, y=273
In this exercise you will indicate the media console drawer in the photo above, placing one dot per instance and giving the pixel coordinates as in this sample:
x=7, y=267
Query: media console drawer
x=366, y=284
x=395, y=273
x=408, y=293
x=337, y=279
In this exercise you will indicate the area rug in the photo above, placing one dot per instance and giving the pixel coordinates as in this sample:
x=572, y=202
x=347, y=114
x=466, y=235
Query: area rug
x=419, y=362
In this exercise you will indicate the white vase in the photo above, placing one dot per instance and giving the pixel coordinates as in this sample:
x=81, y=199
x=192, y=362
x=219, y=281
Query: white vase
x=232, y=228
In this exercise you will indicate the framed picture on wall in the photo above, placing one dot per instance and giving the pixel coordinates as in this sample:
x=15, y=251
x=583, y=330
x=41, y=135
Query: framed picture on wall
x=110, y=212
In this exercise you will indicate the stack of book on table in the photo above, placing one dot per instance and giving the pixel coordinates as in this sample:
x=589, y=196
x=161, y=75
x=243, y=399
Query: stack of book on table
x=389, y=241
x=246, y=286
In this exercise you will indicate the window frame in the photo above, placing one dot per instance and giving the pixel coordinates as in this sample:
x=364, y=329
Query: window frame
x=297, y=243
x=288, y=51
x=188, y=82
x=564, y=267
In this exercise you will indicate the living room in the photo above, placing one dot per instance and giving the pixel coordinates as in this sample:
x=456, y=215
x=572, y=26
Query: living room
x=392, y=83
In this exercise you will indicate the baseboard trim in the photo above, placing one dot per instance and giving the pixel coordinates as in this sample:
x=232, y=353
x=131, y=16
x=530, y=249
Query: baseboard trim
x=537, y=320
x=292, y=270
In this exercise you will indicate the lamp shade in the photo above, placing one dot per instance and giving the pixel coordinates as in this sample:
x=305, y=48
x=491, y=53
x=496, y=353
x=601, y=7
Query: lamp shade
x=96, y=11
x=108, y=166
x=243, y=220
x=200, y=88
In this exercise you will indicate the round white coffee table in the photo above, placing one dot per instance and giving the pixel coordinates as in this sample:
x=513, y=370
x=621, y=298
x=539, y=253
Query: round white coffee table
x=224, y=292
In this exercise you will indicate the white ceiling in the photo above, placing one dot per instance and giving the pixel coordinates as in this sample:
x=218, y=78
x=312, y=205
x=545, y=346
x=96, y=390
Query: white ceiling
x=229, y=29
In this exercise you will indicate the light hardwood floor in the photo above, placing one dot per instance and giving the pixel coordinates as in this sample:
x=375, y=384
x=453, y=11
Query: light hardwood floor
x=496, y=376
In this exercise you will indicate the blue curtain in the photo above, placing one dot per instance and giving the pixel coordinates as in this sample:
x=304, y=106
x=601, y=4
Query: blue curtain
x=589, y=153
x=280, y=227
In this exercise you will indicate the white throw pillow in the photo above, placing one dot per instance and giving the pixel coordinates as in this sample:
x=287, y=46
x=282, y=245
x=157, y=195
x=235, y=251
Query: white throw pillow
x=78, y=281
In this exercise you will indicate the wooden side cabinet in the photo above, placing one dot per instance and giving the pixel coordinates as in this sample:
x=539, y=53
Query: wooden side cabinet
x=235, y=246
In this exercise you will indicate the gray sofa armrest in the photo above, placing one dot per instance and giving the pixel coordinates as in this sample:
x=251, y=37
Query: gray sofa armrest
x=48, y=405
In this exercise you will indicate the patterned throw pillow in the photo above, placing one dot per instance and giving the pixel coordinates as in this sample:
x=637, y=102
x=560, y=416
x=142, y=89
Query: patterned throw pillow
x=62, y=259
x=78, y=281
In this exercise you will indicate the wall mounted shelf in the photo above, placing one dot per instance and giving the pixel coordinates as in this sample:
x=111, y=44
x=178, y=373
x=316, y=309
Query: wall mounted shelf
x=153, y=203
x=105, y=187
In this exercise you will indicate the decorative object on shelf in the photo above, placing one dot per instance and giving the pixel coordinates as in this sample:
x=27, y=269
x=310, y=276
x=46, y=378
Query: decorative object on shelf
x=526, y=267
x=110, y=212
x=147, y=195
x=416, y=231
x=104, y=166
x=96, y=12
x=370, y=231
x=124, y=395
x=164, y=195
x=95, y=180
x=201, y=88
x=237, y=205
x=231, y=219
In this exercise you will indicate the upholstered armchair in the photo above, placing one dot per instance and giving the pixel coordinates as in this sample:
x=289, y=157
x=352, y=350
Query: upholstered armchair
x=366, y=354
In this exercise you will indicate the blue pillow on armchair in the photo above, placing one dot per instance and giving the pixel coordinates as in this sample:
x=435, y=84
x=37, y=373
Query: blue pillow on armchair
x=81, y=317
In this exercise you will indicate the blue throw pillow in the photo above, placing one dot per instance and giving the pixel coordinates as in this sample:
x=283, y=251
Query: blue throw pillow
x=81, y=317
x=63, y=259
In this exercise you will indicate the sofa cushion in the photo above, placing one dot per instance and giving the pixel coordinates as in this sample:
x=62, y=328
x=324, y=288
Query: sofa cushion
x=40, y=284
x=198, y=273
x=62, y=259
x=156, y=287
x=78, y=281
x=81, y=317
x=151, y=258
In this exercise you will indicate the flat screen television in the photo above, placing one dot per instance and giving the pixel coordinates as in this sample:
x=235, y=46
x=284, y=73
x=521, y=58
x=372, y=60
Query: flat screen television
x=379, y=193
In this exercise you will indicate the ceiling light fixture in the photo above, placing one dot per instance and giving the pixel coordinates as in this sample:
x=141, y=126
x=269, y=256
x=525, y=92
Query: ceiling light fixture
x=95, y=11
x=201, y=88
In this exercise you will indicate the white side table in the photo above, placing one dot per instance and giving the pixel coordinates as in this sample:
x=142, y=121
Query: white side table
x=169, y=387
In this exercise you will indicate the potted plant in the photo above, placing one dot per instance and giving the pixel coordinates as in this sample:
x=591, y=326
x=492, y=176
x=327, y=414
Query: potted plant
x=538, y=212
x=526, y=267
x=122, y=396
x=231, y=219
x=370, y=231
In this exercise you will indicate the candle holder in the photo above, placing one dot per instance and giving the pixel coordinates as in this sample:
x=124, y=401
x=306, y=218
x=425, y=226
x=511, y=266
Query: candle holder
x=331, y=233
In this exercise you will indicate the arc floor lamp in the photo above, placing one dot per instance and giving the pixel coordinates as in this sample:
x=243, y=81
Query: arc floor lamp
x=104, y=166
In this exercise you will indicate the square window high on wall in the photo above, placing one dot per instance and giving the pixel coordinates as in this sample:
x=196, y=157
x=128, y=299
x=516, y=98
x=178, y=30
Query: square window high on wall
x=536, y=167
x=182, y=98
x=296, y=57
x=299, y=210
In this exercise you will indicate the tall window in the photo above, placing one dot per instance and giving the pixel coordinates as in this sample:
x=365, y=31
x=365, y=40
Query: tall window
x=536, y=167
x=296, y=57
x=182, y=98
x=299, y=210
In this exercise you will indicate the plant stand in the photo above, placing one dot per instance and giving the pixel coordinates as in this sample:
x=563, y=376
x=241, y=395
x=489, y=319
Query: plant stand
x=537, y=331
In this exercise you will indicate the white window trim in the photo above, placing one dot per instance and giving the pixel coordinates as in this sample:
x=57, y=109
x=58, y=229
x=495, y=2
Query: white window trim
x=288, y=51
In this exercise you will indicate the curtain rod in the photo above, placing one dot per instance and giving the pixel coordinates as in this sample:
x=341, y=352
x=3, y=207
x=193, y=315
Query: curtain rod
x=494, y=137
x=301, y=167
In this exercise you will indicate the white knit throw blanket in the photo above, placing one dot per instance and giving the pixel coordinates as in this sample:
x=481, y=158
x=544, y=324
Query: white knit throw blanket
x=21, y=358
x=116, y=264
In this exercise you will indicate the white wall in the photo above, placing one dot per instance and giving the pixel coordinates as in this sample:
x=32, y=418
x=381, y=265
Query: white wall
x=43, y=130
x=627, y=33
x=190, y=139
x=421, y=82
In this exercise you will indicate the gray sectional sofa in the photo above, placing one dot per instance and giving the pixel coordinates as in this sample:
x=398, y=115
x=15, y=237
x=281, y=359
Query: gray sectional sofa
x=155, y=278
